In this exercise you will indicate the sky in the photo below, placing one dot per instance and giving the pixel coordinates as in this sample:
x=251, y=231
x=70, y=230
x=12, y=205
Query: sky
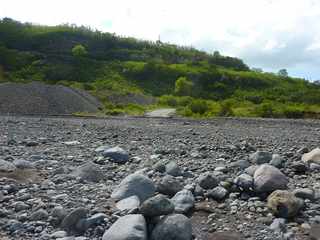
x=267, y=34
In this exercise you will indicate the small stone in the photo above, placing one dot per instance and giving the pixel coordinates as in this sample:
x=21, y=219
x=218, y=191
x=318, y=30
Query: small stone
x=23, y=164
x=6, y=166
x=279, y=225
x=20, y=206
x=39, y=215
x=89, y=172
x=117, y=155
x=59, y=234
x=241, y=164
x=304, y=193
x=261, y=157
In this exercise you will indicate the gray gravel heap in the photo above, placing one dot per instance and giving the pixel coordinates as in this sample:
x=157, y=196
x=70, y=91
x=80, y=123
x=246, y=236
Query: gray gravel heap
x=40, y=98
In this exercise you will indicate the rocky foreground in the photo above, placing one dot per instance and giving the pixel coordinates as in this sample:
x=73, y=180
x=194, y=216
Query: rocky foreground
x=159, y=179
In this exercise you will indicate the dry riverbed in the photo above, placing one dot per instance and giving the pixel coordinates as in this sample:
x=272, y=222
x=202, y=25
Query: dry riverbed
x=62, y=177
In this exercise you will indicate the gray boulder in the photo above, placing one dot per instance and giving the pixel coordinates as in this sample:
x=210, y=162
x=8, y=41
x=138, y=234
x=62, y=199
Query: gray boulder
x=312, y=157
x=128, y=203
x=251, y=170
x=261, y=157
x=244, y=182
x=101, y=149
x=183, y=201
x=173, y=227
x=72, y=222
x=88, y=172
x=116, y=154
x=157, y=206
x=304, y=193
x=173, y=169
x=169, y=186
x=129, y=227
x=207, y=181
x=134, y=184
x=218, y=193
x=23, y=164
x=277, y=161
x=39, y=215
x=268, y=178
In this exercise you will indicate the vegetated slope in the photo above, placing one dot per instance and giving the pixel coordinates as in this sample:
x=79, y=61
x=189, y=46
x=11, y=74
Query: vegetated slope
x=39, y=98
x=108, y=65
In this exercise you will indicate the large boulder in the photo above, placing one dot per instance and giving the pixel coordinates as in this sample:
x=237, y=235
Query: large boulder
x=157, y=206
x=312, y=157
x=173, y=227
x=72, y=222
x=218, y=193
x=284, y=204
x=173, y=169
x=129, y=203
x=168, y=185
x=261, y=157
x=134, y=184
x=183, y=201
x=116, y=154
x=89, y=172
x=244, y=182
x=268, y=178
x=207, y=181
x=129, y=227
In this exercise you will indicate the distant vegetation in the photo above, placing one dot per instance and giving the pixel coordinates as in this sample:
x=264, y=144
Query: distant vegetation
x=198, y=84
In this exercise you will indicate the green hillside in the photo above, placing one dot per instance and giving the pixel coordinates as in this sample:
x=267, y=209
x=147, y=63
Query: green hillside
x=112, y=67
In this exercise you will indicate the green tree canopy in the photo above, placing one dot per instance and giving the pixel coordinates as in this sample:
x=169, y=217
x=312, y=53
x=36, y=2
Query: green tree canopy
x=283, y=73
x=183, y=87
x=79, y=51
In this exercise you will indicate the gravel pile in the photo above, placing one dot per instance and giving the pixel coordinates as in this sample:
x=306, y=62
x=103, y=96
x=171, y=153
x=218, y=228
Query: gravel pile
x=159, y=179
x=39, y=98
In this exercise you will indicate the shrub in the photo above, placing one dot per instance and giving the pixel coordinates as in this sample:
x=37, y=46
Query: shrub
x=265, y=110
x=226, y=109
x=168, y=100
x=199, y=106
x=79, y=51
x=183, y=87
x=293, y=112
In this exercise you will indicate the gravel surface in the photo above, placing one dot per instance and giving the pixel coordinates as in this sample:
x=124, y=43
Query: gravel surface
x=39, y=98
x=57, y=176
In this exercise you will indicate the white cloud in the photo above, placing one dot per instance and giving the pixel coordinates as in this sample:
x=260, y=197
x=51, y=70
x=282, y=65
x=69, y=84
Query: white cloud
x=271, y=34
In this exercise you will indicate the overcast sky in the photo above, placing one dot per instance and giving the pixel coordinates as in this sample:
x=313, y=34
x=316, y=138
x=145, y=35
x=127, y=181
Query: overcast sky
x=269, y=34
